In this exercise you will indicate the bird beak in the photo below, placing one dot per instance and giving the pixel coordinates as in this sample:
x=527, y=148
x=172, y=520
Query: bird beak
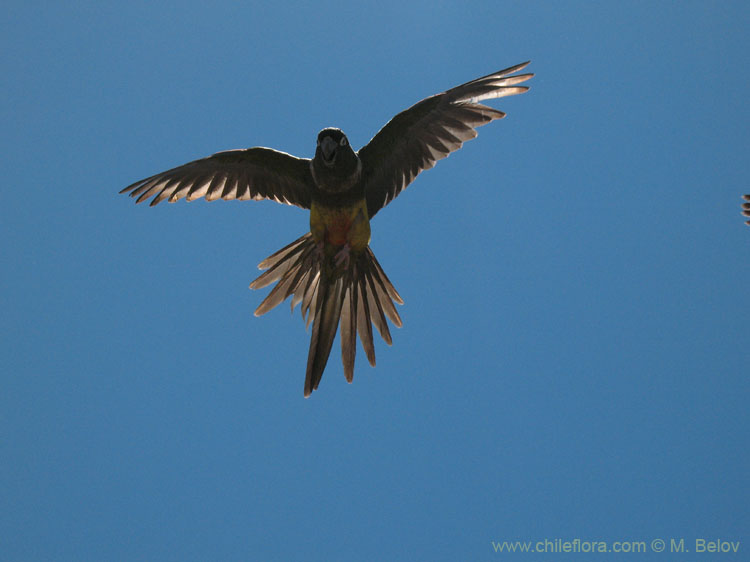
x=328, y=148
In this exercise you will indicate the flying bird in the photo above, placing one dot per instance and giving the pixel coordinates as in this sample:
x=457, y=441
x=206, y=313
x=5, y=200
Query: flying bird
x=331, y=271
x=746, y=208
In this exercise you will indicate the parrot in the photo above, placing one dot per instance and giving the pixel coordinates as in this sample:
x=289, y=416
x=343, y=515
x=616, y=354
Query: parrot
x=331, y=271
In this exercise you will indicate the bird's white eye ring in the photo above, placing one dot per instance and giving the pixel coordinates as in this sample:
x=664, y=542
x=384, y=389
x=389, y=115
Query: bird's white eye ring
x=342, y=142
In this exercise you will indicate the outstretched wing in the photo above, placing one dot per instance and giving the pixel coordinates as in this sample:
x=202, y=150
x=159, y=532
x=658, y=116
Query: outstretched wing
x=430, y=130
x=252, y=173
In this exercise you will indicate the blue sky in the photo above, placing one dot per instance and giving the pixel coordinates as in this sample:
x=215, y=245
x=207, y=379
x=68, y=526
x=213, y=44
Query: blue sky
x=573, y=361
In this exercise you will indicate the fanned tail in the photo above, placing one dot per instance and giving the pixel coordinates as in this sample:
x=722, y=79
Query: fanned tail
x=358, y=296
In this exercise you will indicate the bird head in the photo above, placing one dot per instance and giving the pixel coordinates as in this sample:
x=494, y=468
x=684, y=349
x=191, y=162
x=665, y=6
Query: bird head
x=336, y=167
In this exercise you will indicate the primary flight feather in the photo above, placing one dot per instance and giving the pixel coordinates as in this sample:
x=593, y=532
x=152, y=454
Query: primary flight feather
x=331, y=271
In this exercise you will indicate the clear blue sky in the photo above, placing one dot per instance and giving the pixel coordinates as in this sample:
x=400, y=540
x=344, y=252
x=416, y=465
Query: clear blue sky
x=574, y=356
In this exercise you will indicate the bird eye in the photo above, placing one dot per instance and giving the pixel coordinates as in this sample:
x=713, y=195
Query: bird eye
x=342, y=142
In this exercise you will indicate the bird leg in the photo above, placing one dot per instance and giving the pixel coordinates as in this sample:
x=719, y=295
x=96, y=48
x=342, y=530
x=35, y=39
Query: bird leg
x=342, y=256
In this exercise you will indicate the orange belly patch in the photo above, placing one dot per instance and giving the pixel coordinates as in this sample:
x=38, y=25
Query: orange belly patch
x=338, y=229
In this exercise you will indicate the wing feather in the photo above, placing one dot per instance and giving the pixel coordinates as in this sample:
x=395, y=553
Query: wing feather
x=415, y=139
x=253, y=173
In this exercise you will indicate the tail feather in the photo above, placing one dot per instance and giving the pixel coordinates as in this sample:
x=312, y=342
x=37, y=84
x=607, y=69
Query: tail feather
x=376, y=309
x=278, y=264
x=388, y=288
x=278, y=257
x=364, y=324
x=327, y=313
x=289, y=274
x=299, y=291
x=349, y=328
x=357, y=297
x=309, y=296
